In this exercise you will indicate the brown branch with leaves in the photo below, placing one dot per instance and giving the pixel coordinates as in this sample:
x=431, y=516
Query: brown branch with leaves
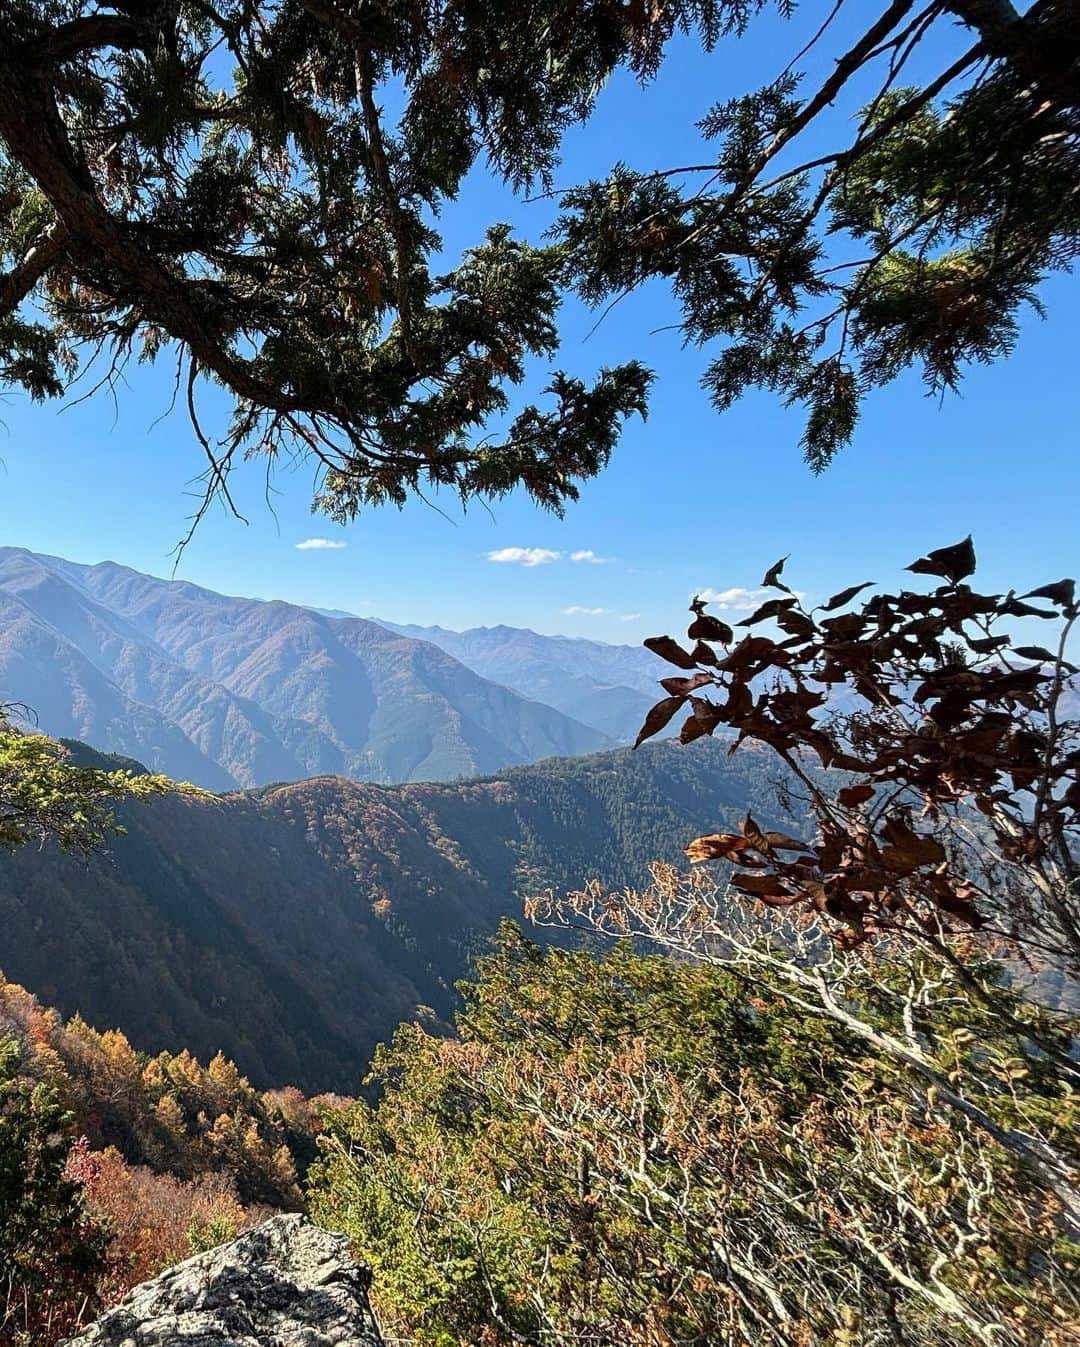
x=938, y=757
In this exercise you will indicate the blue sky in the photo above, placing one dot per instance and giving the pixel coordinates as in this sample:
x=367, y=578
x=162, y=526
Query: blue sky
x=691, y=499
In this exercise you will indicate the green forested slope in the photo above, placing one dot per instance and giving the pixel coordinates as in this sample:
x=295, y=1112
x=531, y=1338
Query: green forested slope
x=293, y=927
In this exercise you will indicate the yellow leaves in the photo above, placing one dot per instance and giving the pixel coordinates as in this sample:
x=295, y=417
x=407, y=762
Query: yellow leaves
x=170, y=1115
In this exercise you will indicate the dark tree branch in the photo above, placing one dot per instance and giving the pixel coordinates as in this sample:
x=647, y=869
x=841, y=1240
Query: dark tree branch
x=846, y=66
x=1043, y=45
x=16, y=284
x=37, y=139
x=92, y=33
x=398, y=226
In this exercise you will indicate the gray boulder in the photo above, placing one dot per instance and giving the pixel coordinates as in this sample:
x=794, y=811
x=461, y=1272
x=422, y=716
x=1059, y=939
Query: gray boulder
x=285, y=1284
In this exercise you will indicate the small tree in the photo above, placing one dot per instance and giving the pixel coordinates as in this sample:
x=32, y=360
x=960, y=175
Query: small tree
x=947, y=798
x=51, y=1251
x=43, y=796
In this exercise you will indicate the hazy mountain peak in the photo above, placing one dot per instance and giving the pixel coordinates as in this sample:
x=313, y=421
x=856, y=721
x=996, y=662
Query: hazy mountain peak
x=610, y=687
x=233, y=691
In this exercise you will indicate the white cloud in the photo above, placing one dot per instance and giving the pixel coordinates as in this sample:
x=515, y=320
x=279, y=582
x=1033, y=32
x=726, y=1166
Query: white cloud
x=541, y=556
x=738, y=599
x=576, y=610
x=524, y=556
x=320, y=545
x=629, y=617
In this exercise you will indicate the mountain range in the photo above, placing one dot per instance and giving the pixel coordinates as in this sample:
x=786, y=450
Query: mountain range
x=293, y=927
x=610, y=687
x=229, y=692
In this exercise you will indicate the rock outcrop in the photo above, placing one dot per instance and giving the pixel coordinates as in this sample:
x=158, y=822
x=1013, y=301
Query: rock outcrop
x=285, y=1284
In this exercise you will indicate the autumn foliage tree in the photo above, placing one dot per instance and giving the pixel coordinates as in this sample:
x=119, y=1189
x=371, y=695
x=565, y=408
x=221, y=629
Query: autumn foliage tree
x=114, y=1164
x=167, y=1113
x=935, y=750
x=51, y=1249
x=635, y=1149
x=151, y=1220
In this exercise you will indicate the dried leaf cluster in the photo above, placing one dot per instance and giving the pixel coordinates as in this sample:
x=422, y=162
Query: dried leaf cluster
x=936, y=752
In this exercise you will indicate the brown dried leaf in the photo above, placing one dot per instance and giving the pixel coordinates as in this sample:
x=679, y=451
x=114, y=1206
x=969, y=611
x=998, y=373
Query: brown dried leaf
x=987, y=645
x=1062, y=592
x=952, y=563
x=716, y=847
x=772, y=576
x=849, y=796
x=1036, y=652
x=845, y=596
x=704, y=654
x=740, y=702
x=707, y=715
x=767, y=887
x=752, y=650
x=657, y=718
x=797, y=625
x=705, y=627
x=1012, y=607
x=782, y=842
x=908, y=850
x=772, y=608
x=670, y=650
x=682, y=687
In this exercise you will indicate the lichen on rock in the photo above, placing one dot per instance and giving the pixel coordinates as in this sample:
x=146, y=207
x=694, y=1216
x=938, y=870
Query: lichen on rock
x=285, y=1284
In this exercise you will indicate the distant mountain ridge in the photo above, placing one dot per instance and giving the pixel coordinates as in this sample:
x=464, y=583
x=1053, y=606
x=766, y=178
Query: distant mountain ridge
x=295, y=926
x=232, y=692
x=610, y=687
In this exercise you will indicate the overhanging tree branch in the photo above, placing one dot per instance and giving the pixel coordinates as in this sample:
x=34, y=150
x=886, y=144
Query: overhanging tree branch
x=42, y=254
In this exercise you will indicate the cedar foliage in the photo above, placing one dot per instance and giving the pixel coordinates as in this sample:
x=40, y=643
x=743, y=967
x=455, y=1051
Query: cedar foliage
x=820, y=263
x=255, y=189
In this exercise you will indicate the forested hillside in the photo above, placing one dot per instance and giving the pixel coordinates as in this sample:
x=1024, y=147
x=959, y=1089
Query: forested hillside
x=169, y=1112
x=293, y=927
x=116, y=1164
